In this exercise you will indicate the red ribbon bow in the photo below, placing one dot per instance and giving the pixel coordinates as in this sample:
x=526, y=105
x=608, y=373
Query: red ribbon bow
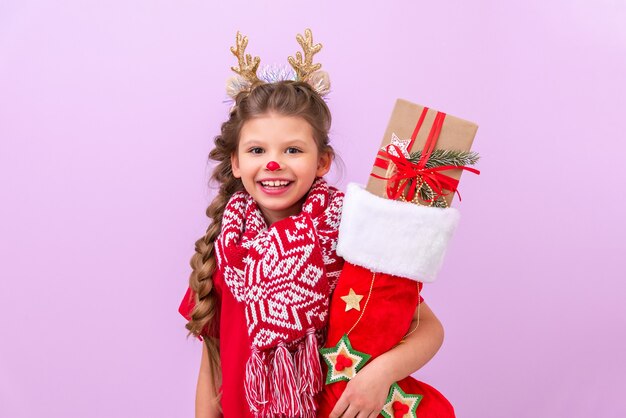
x=411, y=174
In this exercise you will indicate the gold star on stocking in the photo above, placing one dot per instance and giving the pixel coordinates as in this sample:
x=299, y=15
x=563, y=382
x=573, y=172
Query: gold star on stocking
x=352, y=300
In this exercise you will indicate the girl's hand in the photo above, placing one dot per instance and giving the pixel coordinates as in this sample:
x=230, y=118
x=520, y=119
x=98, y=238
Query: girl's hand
x=365, y=394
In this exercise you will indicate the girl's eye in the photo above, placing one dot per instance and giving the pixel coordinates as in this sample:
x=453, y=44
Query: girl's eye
x=256, y=150
x=293, y=150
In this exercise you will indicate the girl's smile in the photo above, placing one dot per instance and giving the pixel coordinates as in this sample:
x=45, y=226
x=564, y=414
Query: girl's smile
x=288, y=141
x=275, y=186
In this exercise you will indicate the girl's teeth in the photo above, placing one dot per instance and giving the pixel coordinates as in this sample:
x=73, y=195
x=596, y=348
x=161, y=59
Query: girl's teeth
x=274, y=183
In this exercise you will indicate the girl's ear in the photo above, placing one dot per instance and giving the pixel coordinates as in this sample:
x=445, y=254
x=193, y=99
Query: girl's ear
x=234, y=165
x=323, y=164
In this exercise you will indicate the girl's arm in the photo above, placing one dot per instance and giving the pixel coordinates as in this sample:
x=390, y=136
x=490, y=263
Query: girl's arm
x=366, y=393
x=206, y=398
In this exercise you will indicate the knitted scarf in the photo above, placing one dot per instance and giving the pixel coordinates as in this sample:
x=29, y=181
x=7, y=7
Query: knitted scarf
x=284, y=275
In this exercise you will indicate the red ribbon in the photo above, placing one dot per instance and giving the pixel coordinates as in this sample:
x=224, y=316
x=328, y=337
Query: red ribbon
x=409, y=174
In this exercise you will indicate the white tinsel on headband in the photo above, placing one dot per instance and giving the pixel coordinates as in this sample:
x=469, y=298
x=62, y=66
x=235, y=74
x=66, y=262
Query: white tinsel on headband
x=273, y=73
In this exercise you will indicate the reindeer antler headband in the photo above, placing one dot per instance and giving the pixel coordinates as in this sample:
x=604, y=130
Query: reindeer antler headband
x=303, y=68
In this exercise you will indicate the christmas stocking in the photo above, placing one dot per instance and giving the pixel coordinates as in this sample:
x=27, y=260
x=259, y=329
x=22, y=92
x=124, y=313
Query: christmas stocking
x=390, y=248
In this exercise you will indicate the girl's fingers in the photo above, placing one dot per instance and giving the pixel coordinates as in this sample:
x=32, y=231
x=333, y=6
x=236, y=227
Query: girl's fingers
x=351, y=412
x=343, y=409
x=365, y=414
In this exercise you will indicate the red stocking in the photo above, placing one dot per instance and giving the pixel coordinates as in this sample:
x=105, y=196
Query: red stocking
x=390, y=248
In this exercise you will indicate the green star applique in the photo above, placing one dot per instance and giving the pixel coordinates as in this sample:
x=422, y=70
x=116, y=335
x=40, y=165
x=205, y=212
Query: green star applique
x=400, y=404
x=343, y=361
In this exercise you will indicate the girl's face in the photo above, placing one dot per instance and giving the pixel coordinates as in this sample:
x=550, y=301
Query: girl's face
x=287, y=140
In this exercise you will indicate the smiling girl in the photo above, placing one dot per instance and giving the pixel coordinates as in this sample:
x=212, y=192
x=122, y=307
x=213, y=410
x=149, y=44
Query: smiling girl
x=262, y=274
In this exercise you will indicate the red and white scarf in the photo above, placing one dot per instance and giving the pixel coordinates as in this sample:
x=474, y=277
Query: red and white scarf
x=284, y=275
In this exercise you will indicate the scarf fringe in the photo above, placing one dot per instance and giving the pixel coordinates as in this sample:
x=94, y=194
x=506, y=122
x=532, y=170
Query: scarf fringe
x=285, y=399
x=309, y=371
x=256, y=382
x=282, y=384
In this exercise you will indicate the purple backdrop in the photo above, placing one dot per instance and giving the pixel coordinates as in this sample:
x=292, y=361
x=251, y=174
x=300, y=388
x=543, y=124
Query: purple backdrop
x=107, y=113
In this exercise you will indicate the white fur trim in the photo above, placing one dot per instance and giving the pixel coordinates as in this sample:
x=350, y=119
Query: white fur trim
x=398, y=238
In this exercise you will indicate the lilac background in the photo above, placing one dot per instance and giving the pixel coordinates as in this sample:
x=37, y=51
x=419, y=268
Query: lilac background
x=107, y=112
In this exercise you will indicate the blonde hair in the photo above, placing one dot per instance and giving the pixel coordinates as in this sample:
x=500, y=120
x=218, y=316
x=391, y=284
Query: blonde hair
x=289, y=98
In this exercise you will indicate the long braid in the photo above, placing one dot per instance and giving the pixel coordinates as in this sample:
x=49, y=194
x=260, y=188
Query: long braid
x=203, y=262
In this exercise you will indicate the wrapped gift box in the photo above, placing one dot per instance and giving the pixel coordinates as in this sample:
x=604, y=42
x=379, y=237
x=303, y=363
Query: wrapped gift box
x=455, y=134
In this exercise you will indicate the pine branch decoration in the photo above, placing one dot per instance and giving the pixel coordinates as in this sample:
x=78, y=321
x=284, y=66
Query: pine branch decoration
x=439, y=158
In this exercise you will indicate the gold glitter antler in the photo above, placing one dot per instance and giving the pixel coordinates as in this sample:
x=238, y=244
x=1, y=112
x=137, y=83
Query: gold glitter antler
x=305, y=67
x=248, y=65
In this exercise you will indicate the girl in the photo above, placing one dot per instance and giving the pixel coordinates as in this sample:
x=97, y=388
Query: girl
x=263, y=273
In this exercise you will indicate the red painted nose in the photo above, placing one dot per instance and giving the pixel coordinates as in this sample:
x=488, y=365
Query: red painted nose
x=272, y=166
